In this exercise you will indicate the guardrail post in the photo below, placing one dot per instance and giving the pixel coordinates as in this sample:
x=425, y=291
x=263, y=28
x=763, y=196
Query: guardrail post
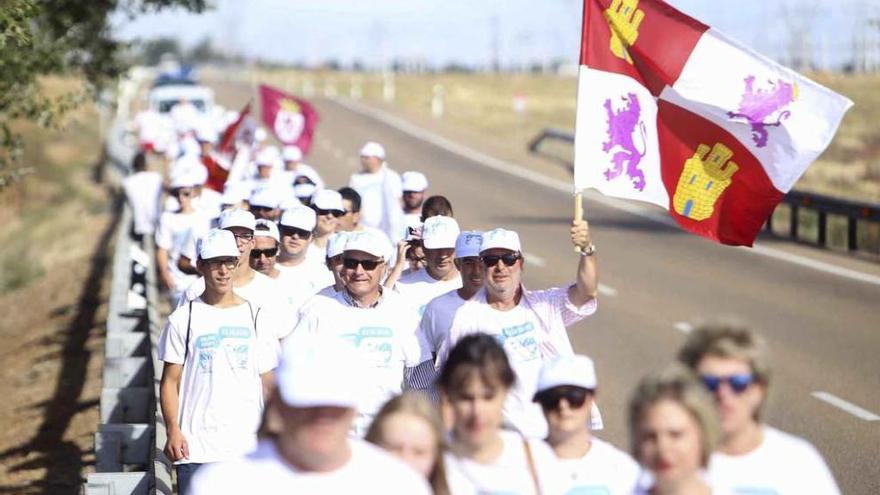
x=822, y=238
x=793, y=222
x=852, y=230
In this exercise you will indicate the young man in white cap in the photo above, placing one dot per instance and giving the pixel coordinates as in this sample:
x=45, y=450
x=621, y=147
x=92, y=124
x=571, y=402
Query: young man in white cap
x=531, y=325
x=327, y=204
x=294, y=166
x=440, y=275
x=267, y=243
x=414, y=185
x=264, y=202
x=218, y=355
x=335, y=248
x=566, y=391
x=752, y=457
x=438, y=314
x=376, y=323
x=312, y=453
x=381, y=192
x=302, y=276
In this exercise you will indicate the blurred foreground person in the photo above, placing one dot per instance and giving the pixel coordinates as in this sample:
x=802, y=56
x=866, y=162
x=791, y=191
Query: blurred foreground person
x=312, y=454
x=483, y=457
x=217, y=355
x=752, y=457
x=673, y=430
x=409, y=427
x=566, y=390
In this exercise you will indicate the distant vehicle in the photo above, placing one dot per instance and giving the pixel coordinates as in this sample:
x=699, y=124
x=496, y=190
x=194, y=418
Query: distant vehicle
x=163, y=98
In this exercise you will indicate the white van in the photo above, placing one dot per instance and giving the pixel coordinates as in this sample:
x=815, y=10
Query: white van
x=162, y=98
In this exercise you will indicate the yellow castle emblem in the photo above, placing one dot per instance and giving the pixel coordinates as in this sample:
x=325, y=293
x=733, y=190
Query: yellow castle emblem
x=705, y=176
x=624, y=18
x=289, y=105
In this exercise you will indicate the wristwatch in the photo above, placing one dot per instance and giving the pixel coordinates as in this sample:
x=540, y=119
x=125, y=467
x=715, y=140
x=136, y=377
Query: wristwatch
x=589, y=250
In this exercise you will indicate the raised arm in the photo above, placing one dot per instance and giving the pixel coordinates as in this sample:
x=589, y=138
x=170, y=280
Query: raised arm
x=587, y=282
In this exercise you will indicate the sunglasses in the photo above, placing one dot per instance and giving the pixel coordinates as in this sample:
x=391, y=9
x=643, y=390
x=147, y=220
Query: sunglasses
x=258, y=253
x=183, y=193
x=335, y=213
x=575, y=396
x=738, y=383
x=508, y=259
x=293, y=231
x=352, y=264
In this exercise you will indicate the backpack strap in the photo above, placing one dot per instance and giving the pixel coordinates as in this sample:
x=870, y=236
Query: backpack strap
x=188, y=331
x=253, y=316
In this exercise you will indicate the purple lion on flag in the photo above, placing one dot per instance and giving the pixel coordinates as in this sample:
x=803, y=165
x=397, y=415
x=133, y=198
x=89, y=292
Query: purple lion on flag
x=621, y=128
x=757, y=106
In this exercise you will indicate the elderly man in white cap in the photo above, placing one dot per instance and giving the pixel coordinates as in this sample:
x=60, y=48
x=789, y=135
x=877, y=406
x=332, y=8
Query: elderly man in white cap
x=438, y=314
x=414, y=185
x=327, y=204
x=531, y=325
x=267, y=242
x=312, y=453
x=566, y=392
x=302, y=275
x=440, y=274
x=381, y=192
x=294, y=166
x=378, y=324
x=218, y=356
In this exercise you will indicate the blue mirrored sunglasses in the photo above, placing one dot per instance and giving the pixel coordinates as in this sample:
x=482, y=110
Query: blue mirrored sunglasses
x=738, y=383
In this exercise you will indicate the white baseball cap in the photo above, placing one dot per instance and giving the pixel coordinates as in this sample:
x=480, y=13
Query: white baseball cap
x=268, y=156
x=500, y=239
x=206, y=133
x=336, y=244
x=304, y=190
x=308, y=373
x=576, y=370
x=291, y=153
x=265, y=197
x=184, y=178
x=414, y=181
x=235, y=192
x=290, y=201
x=299, y=217
x=468, y=244
x=328, y=199
x=236, y=217
x=372, y=148
x=272, y=231
x=260, y=134
x=369, y=242
x=218, y=243
x=440, y=232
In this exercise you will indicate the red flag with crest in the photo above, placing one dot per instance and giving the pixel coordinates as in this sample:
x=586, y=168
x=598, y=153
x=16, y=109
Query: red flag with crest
x=291, y=119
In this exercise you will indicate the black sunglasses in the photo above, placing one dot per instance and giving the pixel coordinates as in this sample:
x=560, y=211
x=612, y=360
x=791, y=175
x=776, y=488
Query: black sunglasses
x=738, y=383
x=293, y=231
x=335, y=213
x=575, y=396
x=508, y=259
x=352, y=264
x=257, y=253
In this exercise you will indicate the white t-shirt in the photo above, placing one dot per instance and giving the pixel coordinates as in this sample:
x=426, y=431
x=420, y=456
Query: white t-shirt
x=380, y=200
x=143, y=190
x=509, y=474
x=369, y=470
x=384, y=336
x=174, y=228
x=420, y=288
x=264, y=292
x=605, y=470
x=782, y=465
x=531, y=332
x=221, y=395
x=299, y=283
x=438, y=316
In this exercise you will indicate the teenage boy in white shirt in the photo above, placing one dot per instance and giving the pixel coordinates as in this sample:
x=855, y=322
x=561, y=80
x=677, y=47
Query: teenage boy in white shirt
x=313, y=453
x=218, y=354
x=301, y=275
x=752, y=457
x=440, y=274
x=438, y=314
x=531, y=325
x=377, y=324
x=566, y=391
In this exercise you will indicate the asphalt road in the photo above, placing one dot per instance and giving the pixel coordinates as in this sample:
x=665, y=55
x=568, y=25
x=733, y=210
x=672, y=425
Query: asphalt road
x=823, y=329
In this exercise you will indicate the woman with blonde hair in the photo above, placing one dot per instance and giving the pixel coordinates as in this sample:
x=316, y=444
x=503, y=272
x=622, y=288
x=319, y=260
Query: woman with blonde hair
x=409, y=427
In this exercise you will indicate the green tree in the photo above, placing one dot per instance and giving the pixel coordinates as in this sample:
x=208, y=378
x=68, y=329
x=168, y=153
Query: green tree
x=58, y=37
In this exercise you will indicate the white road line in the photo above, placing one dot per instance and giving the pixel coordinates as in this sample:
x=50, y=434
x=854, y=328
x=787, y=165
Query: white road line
x=566, y=187
x=846, y=406
x=607, y=291
x=533, y=259
x=683, y=327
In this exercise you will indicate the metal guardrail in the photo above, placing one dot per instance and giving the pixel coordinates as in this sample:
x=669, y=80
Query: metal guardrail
x=853, y=211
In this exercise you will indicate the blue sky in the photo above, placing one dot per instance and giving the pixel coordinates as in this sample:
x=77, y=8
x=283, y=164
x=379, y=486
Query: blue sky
x=462, y=31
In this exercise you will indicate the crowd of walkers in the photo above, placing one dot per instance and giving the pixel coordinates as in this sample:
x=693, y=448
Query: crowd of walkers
x=359, y=341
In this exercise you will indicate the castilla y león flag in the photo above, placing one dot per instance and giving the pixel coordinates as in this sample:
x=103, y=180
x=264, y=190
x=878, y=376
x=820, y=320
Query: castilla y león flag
x=673, y=113
x=291, y=119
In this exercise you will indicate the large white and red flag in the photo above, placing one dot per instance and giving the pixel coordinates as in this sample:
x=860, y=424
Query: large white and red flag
x=672, y=112
x=291, y=119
